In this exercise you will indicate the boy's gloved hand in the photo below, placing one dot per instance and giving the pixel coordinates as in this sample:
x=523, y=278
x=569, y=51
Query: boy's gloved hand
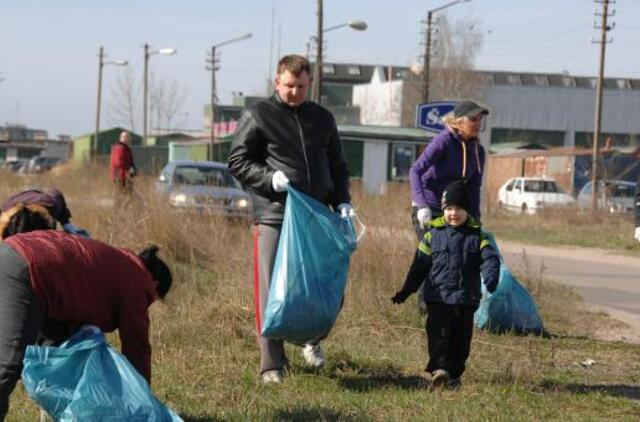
x=70, y=228
x=424, y=216
x=399, y=297
x=279, y=182
x=636, y=235
x=346, y=210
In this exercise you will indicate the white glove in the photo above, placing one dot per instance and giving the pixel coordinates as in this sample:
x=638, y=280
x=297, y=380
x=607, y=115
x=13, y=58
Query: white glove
x=346, y=210
x=636, y=235
x=424, y=216
x=279, y=182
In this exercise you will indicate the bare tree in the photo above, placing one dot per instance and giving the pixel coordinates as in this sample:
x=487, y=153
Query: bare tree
x=166, y=101
x=452, y=75
x=123, y=110
x=173, y=102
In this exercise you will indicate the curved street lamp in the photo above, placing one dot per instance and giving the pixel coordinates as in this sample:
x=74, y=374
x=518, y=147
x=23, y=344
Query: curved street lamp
x=357, y=25
x=212, y=66
x=101, y=64
x=168, y=51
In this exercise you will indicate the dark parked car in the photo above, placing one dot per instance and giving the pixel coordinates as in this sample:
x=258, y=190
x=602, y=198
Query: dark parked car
x=204, y=186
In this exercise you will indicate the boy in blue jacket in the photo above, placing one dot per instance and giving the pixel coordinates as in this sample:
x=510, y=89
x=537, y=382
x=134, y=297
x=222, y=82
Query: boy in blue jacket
x=450, y=259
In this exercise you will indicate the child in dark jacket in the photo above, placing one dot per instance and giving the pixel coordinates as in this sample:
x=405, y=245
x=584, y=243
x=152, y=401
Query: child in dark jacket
x=450, y=259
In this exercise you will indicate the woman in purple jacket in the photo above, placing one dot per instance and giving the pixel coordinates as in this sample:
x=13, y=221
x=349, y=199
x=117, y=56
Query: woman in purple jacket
x=455, y=153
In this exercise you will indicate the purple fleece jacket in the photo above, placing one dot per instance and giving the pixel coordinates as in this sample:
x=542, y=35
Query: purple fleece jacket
x=442, y=163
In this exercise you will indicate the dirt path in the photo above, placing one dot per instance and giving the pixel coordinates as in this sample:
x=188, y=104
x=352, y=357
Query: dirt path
x=608, y=281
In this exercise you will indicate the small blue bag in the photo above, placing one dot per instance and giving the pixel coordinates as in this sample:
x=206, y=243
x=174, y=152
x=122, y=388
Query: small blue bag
x=310, y=271
x=86, y=379
x=510, y=307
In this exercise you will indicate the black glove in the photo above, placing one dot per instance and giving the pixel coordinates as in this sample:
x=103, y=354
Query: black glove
x=399, y=297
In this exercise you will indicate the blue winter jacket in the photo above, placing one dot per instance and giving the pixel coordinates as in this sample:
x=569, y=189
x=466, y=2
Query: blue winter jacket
x=447, y=158
x=449, y=260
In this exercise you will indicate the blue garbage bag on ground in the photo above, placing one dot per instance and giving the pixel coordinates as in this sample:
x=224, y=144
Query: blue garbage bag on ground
x=86, y=379
x=510, y=307
x=310, y=271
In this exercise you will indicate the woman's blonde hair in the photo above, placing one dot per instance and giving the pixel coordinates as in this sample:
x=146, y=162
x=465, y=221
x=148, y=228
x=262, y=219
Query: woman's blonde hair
x=453, y=123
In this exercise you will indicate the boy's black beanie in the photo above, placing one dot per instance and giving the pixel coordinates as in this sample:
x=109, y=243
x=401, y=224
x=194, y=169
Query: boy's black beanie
x=456, y=194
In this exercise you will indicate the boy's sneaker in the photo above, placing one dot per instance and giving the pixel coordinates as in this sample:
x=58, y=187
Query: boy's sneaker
x=440, y=378
x=274, y=376
x=313, y=355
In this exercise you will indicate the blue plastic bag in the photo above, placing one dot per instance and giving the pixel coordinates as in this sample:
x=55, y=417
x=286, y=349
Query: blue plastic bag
x=310, y=271
x=510, y=307
x=86, y=379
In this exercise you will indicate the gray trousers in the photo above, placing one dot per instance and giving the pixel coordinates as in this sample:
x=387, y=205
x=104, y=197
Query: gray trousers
x=265, y=247
x=20, y=319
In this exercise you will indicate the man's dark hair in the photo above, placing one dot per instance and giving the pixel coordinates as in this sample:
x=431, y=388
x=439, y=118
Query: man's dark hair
x=294, y=64
x=23, y=219
x=158, y=268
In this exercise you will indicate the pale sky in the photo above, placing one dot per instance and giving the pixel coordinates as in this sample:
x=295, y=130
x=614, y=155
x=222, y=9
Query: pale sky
x=48, y=49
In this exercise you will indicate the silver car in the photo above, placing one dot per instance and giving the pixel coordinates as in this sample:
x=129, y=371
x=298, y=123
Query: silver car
x=203, y=186
x=614, y=196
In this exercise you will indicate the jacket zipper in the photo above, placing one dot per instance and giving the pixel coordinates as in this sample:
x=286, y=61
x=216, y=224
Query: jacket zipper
x=304, y=149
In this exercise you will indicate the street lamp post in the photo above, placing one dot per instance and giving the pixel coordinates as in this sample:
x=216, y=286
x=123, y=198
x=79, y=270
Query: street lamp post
x=427, y=52
x=317, y=70
x=148, y=53
x=211, y=62
x=101, y=64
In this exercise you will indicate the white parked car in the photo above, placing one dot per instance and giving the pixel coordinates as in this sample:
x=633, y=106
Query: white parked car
x=530, y=194
x=613, y=195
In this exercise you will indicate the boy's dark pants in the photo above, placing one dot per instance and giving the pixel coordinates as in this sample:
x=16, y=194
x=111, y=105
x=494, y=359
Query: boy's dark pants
x=449, y=332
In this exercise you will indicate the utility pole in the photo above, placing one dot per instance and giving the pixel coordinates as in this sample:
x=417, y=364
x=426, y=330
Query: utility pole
x=317, y=70
x=427, y=48
x=212, y=62
x=94, y=146
x=598, y=114
x=427, y=59
x=144, y=94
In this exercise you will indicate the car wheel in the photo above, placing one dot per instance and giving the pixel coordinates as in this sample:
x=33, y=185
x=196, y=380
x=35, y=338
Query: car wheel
x=524, y=208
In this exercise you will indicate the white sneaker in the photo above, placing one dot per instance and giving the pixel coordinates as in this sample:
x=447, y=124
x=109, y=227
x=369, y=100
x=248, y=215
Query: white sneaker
x=274, y=376
x=314, y=355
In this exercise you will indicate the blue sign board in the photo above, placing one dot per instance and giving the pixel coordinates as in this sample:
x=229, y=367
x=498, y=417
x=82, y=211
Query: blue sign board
x=429, y=115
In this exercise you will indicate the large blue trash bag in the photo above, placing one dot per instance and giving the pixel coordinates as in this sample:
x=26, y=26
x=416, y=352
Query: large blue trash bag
x=510, y=307
x=86, y=379
x=310, y=271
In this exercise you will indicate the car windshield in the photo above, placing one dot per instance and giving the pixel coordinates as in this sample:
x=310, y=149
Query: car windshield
x=199, y=175
x=541, y=186
x=621, y=190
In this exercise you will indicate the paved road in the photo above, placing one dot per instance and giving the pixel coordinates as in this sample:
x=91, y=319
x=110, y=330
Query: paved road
x=606, y=280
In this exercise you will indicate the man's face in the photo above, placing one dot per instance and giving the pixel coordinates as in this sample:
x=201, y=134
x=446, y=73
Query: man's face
x=292, y=89
x=124, y=138
x=455, y=216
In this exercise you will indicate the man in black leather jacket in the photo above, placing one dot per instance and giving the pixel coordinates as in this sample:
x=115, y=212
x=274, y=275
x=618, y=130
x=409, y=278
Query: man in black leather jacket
x=286, y=140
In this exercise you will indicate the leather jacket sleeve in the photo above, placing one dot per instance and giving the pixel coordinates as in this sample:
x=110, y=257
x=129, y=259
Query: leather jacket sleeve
x=247, y=157
x=339, y=170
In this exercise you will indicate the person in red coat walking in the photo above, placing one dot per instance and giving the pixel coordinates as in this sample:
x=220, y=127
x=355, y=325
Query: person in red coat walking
x=47, y=274
x=122, y=167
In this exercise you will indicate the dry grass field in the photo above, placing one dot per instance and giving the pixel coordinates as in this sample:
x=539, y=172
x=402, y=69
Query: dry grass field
x=205, y=353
